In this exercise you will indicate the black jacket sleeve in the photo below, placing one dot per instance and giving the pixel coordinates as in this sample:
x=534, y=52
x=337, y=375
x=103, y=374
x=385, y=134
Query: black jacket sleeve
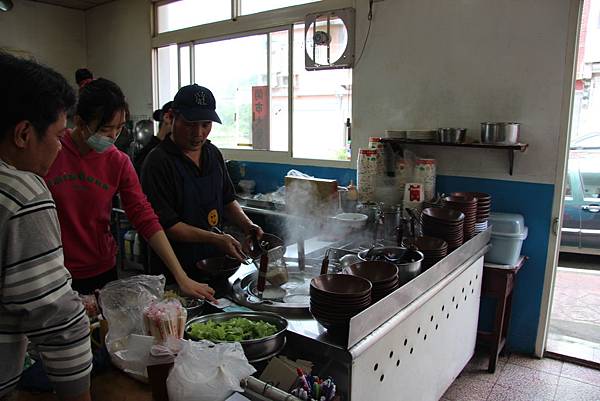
x=138, y=160
x=159, y=184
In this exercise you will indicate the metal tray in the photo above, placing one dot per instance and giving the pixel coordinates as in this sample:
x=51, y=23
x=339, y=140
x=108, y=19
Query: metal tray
x=261, y=204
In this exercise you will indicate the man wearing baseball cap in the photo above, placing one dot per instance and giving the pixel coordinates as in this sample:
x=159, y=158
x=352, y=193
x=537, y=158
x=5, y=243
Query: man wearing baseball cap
x=187, y=183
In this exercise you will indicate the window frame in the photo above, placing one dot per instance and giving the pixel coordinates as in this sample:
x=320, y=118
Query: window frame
x=243, y=26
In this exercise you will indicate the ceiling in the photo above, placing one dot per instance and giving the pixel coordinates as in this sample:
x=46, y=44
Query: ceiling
x=75, y=4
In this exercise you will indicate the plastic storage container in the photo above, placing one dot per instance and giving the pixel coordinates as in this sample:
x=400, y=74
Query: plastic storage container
x=508, y=234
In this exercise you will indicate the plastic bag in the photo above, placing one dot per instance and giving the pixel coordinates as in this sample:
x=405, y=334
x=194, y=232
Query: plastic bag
x=123, y=302
x=204, y=371
x=296, y=173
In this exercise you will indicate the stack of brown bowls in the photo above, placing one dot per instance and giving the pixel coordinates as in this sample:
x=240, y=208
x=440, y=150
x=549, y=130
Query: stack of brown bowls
x=335, y=298
x=484, y=206
x=433, y=249
x=444, y=223
x=382, y=275
x=468, y=206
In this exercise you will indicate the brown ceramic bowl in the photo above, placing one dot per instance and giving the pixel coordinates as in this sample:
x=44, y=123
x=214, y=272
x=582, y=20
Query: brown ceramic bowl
x=341, y=285
x=218, y=267
x=481, y=196
x=337, y=315
x=425, y=243
x=337, y=301
x=443, y=214
x=385, y=286
x=339, y=311
x=462, y=200
x=374, y=271
x=443, y=234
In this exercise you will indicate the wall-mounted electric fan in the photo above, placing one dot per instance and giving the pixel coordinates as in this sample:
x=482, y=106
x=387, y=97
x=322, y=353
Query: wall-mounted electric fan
x=329, y=39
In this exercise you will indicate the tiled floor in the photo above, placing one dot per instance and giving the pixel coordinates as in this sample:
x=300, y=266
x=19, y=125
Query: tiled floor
x=521, y=378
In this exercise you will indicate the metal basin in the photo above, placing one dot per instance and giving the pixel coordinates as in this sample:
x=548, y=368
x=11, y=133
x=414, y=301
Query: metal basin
x=255, y=350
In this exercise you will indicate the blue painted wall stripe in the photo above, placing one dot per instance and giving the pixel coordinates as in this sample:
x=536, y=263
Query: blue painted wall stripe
x=533, y=201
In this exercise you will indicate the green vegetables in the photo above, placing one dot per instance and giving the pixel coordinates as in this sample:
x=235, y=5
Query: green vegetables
x=235, y=329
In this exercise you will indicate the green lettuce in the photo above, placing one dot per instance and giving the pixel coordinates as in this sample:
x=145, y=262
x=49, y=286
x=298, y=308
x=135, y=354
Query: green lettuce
x=235, y=329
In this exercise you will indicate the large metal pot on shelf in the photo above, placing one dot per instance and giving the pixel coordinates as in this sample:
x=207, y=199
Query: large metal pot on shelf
x=408, y=261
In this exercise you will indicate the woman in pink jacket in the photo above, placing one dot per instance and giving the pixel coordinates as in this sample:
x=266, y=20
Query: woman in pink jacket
x=85, y=177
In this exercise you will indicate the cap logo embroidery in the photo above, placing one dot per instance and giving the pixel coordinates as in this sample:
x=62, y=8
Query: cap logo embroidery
x=200, y=98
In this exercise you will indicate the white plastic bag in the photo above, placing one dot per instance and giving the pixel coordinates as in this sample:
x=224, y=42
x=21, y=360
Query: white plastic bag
x=123, y=302
x=204, y=371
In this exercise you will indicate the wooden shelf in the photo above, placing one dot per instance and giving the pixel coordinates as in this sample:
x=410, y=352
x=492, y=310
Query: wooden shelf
x=511, y=149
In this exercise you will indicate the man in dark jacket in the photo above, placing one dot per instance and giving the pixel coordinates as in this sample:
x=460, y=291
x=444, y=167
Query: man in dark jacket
x=186, y=181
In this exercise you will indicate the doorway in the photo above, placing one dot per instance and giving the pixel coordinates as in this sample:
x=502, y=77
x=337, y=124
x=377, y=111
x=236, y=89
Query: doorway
x=574, y=323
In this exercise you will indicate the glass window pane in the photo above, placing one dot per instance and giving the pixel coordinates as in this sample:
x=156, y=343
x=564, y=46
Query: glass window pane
x=184, y=65
x=257, y=6
x=186, y=13
x=568, y=192
x=167, y=74
x=322, y=104
x=591, y=185
x=279, y=82
x=252, y=106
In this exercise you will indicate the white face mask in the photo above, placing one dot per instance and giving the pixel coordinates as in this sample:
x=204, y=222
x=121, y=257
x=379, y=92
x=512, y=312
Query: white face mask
x=98, y=142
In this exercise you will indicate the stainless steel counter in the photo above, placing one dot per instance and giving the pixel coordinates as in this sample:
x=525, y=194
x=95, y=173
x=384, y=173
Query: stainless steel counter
x=428, y=312
x=367, y=321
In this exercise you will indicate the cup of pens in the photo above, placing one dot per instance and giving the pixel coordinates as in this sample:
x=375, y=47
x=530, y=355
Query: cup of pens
x=313, y=388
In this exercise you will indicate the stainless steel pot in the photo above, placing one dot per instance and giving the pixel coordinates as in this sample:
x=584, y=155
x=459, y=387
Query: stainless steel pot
x=505, y=133
x=255, y=350
x=452, y=135
x=410, y=266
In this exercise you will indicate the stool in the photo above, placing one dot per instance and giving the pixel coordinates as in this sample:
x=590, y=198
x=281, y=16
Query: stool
x=498, y=283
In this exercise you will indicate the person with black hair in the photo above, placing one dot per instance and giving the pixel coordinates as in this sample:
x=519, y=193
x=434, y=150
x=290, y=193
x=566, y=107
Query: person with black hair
x=84, y=179
x=83, y=76
x=164, y=117
x=37, y=303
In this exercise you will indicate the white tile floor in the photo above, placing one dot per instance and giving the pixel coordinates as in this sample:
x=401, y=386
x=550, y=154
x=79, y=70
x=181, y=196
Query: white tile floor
x=522, y=378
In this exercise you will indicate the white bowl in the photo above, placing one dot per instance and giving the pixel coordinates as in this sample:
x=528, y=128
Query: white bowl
x=354, y=220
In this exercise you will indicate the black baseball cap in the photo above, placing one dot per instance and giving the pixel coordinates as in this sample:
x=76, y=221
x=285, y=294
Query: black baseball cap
x=159, y=113
x=196, y=103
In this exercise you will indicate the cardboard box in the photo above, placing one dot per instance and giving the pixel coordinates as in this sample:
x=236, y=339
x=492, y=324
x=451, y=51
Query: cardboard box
x=311, y=196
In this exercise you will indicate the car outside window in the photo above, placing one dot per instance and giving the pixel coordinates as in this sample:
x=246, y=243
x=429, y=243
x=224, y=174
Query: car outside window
x=591, y=185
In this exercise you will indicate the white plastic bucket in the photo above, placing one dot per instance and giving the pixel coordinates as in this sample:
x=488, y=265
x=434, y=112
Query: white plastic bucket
x=506, y=248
